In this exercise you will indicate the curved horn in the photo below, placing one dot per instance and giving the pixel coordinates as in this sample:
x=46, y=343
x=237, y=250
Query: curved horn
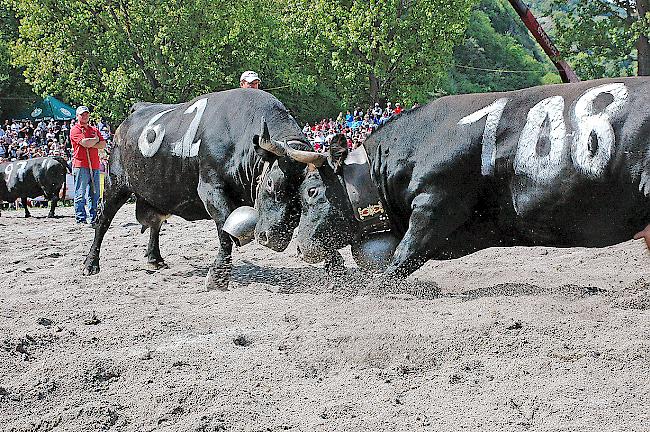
x=307, y=157
x=266, y=143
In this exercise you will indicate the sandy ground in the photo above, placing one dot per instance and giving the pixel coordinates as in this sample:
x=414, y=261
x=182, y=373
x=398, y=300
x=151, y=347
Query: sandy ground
x=515, y=339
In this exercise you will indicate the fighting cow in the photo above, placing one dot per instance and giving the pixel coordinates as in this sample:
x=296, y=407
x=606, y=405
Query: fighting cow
x=559, y=165
x=32, y=178
x=202, y=160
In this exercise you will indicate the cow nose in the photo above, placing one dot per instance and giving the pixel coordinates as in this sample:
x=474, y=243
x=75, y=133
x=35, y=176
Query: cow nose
x=262, y=238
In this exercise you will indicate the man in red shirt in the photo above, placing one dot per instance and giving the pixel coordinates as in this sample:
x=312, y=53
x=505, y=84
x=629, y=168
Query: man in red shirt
x=86, y=142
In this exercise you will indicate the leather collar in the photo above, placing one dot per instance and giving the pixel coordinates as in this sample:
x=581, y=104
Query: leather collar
x=363, y=194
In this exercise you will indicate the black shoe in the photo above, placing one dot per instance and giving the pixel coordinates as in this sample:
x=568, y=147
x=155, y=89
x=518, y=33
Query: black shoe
x=81, y=222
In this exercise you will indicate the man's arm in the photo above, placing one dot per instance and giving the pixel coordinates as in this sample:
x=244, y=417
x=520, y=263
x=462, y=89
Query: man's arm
x=90, y=142
x=101, y=144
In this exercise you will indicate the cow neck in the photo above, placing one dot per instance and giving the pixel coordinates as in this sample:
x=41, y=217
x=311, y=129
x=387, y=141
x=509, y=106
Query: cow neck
x=363, y=195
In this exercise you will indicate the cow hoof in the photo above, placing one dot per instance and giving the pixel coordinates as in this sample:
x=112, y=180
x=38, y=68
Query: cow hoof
x=215, y=280
x=91, y=269
x=157, y=265
x=28, y=215
x=51, y=215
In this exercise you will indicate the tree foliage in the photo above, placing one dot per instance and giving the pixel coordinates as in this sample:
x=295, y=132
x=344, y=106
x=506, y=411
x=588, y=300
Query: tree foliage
x=367, y=51
x=598, y=37
x=317, y=56
x=496, y=40
x=111, y=53
x=15, y=94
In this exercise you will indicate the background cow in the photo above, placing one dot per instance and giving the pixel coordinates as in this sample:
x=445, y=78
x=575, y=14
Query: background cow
x=32, y=178
x=198, y=160
x=560, y=165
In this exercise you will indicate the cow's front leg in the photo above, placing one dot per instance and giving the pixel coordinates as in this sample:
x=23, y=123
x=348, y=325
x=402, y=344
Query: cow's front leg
x=433, y=219
x=218, y=208
x=115, y=198
x=54, y=201
x=334, y=264
x=23, y=200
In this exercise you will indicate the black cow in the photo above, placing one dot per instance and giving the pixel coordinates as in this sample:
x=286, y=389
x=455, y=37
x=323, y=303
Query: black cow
x=558, y=165
x=32, y=178
x=201, y=160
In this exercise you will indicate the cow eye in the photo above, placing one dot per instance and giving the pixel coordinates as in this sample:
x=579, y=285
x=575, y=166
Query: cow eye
x=312, y=192
x=269, y=185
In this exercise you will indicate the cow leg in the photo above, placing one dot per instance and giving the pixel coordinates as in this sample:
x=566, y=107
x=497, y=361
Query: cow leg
x=55, y=200
x=151, y=218
x=23, y=200
x=432, y=220
x=216, y=203
x=114, y=200
x=334, y=264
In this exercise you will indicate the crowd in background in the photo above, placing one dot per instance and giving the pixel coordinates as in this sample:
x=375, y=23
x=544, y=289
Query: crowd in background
x=356, y=125
x=25, y=139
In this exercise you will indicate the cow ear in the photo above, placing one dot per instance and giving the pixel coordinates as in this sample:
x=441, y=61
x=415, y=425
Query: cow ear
x=338, y=152
x=266, y=155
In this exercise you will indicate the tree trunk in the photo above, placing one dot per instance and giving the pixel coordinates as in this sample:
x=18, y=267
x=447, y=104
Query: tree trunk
x=642, y=44
x=374, y=88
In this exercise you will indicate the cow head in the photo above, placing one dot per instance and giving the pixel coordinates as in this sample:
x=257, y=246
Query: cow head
x=327, y=220
x=277, y=198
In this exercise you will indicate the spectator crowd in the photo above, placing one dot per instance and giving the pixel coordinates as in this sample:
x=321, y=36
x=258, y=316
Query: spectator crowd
x=356, y=125
x=25, y=139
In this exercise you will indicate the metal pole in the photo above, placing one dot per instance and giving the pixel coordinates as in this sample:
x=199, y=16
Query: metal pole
x=567, y=74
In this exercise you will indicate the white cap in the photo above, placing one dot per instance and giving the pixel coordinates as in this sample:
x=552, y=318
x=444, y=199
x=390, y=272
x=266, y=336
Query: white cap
x=82, y=109
x=249, y=77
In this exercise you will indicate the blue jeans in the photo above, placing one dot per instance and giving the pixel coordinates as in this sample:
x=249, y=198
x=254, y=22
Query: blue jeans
x=83, y=194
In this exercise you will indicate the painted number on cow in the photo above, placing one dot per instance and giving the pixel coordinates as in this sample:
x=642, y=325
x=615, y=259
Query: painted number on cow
x=544, y=137
x=493, y=113
x=186, y=147
x=20, y=170
x=593, y=145
x=152, y=135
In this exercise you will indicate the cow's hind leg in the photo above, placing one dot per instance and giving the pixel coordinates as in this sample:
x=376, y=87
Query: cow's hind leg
x=23, y=200
x=153, y=219
x=115, y=199
x=434, y=217
x=217, y=206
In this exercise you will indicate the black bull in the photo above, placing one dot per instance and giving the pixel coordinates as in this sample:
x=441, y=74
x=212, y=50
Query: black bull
x=32, y=178
x=560, y=165
x=200, y=160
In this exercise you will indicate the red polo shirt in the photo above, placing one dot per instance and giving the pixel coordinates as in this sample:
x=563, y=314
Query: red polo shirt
x=79, y=156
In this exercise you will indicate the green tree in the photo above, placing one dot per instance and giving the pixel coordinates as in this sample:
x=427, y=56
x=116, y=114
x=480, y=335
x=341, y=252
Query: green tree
x=602, y=38
x=496, y=40
x=111, y=53
x=15, y=94
x=367, y=51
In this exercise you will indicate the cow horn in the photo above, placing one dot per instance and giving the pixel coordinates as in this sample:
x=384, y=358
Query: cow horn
x=266, y=143
x=307, y=157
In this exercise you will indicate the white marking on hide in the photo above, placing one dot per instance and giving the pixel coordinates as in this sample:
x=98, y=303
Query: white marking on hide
x=44, y=163
x=644, y=184
x=488, y=144
x=527, y=161
x=593, y=165
x=148, y=149
x=186, y=147
x=8, y=170
x=20, y=172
